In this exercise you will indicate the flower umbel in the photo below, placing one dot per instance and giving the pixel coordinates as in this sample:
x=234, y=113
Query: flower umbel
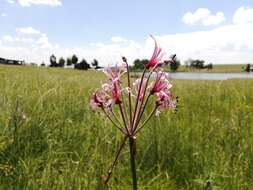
x=133, y=99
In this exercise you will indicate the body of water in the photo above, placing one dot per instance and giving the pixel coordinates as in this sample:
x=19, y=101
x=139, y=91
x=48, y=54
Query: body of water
x=209, y=76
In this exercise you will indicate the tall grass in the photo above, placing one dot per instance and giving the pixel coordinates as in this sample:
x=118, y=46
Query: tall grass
x=51, y=139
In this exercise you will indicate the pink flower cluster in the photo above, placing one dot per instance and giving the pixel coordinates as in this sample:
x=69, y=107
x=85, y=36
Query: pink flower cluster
x=130, y=101
x=124, y=105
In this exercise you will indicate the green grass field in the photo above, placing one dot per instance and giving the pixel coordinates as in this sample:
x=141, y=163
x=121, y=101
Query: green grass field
x=51, y=139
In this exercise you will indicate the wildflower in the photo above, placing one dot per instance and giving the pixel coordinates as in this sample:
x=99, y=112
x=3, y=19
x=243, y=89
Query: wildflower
x=115, y=73
x=161, y=83
x=156, y=58
x=138, y=86
x=165, y=100
x=100, y=99
x=114, y=93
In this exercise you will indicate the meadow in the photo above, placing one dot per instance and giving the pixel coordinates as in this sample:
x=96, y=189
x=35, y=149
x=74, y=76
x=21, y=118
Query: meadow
x=51, y=139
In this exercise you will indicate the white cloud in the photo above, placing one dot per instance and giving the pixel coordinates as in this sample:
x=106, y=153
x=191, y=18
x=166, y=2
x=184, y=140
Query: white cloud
x=3, y=14
x=224, y=44
x=43, y=42
x=118, y=39
x=8, y=38
x=27, y=3
x=203, y=16
x=28, y=30
x=243, y=15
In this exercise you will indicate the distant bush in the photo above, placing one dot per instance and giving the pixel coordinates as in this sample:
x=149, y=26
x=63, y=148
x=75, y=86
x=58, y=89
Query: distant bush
x=247, y=68
x=175, y=64
x=61, y=62
x=139, y=64
x=69, y=61
x=209, y=66
x=198, y=64
x=74, y=59
x=53, y=62
x=95, y=65
x=83, y=65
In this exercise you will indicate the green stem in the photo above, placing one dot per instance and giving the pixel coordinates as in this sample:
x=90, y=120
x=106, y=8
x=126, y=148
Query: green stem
x=132, y=161
x=115, y=160
x=145, y=122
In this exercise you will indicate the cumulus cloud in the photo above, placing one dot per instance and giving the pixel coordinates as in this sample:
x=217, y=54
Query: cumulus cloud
x=28, y=3
x=11, y=39
x=27, y=30
x=203, y=16
x=118, y=39
x=225, y=44
x=231, y=43
x=8, y=38
x=243, y=15
x=43, y=42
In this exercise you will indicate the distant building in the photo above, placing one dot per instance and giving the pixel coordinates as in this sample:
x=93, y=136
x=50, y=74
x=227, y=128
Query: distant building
x=11, y=62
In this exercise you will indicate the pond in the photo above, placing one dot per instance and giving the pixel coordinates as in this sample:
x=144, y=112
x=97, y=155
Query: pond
x=209, y=76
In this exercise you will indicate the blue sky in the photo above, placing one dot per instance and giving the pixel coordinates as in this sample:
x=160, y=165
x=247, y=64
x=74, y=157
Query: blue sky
x=87, y=28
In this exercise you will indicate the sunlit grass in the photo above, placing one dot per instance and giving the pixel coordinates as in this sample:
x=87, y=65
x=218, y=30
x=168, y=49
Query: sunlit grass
x=51, y=139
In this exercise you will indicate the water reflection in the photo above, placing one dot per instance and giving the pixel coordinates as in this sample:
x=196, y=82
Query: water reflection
x=209, y=76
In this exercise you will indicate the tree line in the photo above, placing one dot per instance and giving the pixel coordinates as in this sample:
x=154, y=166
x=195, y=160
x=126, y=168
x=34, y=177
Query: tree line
x=138, y=64
x=198, y=64
x=174, y=65
x=73, y=61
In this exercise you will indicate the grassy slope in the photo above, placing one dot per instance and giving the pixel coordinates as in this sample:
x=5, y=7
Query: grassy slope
x=50, y=139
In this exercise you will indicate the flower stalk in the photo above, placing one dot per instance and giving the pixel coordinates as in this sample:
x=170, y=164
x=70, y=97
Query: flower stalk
x=132, y=148
x=131, y=122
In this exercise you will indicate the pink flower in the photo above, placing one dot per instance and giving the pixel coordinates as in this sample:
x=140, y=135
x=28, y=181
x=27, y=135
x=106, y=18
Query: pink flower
x=100, y=99
x=115, y=73
x=116, y=94
x=137, y=86
x=161, y=83
x=166, y=100
x=156, y=57
x=114, y=91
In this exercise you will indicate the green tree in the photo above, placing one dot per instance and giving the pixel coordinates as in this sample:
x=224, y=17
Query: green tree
x=209, y=66
x=53, y=62
x=198, y=64
x=83, y=65
x=247, y=68
x=74, y=59
x=61, y=62
x=69, y=61
x=175, y=64
x=139, y=64
x=94, y=63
